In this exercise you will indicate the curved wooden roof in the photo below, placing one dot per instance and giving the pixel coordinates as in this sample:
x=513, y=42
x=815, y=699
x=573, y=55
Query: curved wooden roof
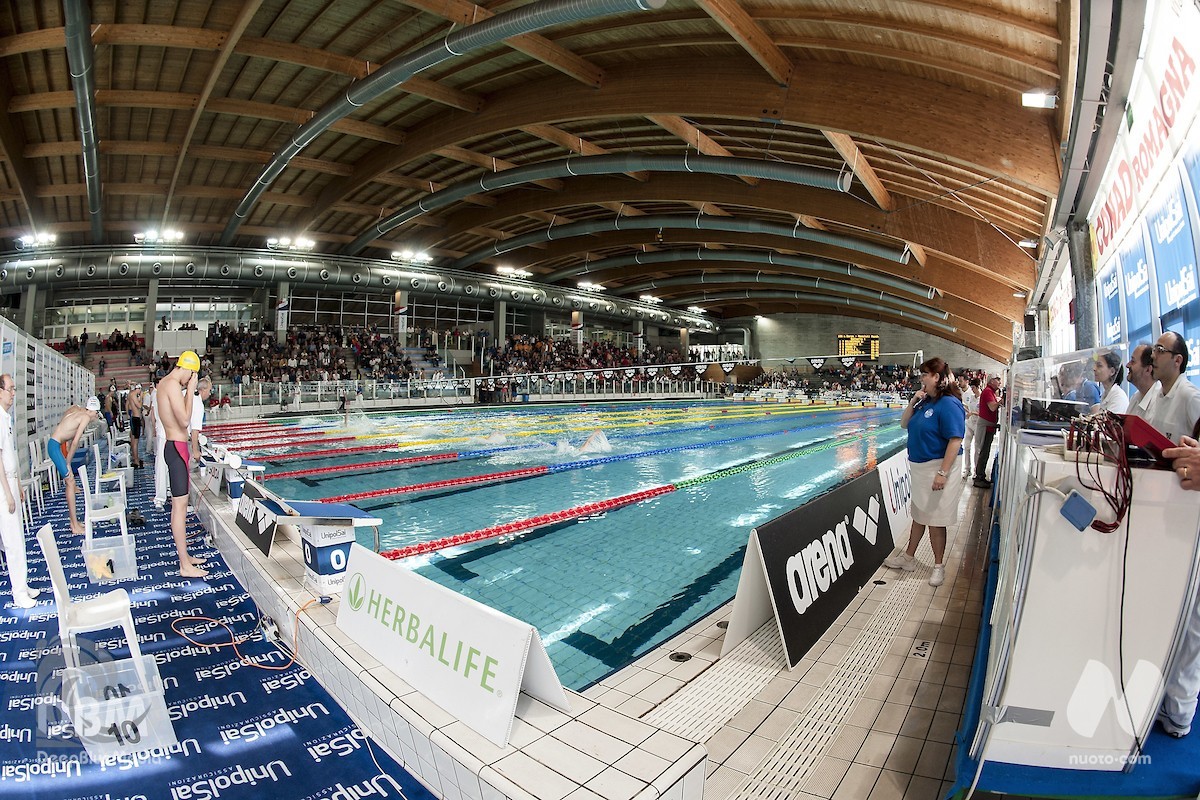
x=919, y=99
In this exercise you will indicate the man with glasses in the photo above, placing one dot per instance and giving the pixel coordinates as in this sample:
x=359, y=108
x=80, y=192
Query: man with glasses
x=1177, y=406
x=1140, y=370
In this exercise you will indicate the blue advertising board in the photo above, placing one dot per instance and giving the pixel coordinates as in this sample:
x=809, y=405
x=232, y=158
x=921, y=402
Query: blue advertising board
x=1172, y=245
x=1135, y=281
x=1108, y=284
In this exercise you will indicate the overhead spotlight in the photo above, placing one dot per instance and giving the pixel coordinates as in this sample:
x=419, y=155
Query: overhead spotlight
x=513, y=272
x=649, y=298
x=1038, y=99
x=588, y=286
x=1021, y=295
x=32, y=241
x=411, y=257
x=298, y=244
x=697, y=310
x=1031, y=244
x=153, y=236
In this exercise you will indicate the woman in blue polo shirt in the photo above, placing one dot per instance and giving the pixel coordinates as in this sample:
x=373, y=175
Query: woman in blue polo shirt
x=936, y=422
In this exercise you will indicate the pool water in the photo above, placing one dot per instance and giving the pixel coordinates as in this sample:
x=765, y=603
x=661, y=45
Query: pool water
x=602, y=589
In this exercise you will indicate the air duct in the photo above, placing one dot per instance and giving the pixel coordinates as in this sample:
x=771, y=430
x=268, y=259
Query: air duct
x=81, y=59
x=758, y=257
x=702, y=222
x=484, y=34
x=789, y=280
x=612, y=164
x=817, y=299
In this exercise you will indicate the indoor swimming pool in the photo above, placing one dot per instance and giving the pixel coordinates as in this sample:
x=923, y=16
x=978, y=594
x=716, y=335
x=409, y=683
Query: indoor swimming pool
x=602, y=587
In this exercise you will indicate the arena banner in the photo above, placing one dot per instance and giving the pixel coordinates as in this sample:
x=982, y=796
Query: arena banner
x=1135, y=277
x=805, y=567
x=470, y=659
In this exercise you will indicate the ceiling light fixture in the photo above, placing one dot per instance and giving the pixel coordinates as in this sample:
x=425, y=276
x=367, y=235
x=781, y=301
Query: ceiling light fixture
x=649, y=298
x=697, y=310
x=1019, y=294
x=32, y=241
x=513, y=272
x=411, y=257
x=299, y=244
x=1029, y=243
x=588, y=286
x=169, y=236
x=1038, y=99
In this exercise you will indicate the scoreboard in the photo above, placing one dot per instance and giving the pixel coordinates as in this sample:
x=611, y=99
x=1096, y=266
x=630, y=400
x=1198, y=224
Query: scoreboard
x=859, y=344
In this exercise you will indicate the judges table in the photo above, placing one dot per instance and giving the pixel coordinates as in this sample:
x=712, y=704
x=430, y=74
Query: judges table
x=1096, y=617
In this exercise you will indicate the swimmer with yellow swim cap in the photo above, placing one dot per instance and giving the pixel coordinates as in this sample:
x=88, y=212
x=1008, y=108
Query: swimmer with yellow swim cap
x=175, y=394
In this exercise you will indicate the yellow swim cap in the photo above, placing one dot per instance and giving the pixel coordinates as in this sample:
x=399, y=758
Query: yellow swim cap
x=189, y=360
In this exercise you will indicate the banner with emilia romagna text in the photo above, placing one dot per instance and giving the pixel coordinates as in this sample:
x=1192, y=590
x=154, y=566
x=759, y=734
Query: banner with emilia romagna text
x=1171, y=244
x=1111, y=329
x=1135, y=275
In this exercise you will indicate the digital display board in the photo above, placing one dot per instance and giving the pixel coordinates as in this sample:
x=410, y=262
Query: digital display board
x=859, y=344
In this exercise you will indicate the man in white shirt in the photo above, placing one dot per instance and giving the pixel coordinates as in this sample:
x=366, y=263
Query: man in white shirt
x=970, y=400
x=199, y=404
x=1177, y=406
x=1140, y=370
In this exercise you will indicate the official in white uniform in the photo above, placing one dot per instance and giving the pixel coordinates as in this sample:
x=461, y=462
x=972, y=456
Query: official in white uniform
x=1176, y=410
x=12, y=528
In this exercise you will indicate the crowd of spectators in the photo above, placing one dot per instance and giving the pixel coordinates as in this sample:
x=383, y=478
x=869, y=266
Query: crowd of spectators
x=525, y=353
x=884, y=378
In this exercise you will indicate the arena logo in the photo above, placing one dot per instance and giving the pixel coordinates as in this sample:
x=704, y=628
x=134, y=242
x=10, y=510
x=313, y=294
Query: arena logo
x=822, y=561
x=155, y=755
x=373, y=787
x=1137, y=282
x=211, y=787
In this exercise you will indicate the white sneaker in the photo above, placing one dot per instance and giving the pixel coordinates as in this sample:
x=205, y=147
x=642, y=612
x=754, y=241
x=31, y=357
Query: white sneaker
x=24, y=602
x=33, y=594
x=901, y=560
x=938, y=576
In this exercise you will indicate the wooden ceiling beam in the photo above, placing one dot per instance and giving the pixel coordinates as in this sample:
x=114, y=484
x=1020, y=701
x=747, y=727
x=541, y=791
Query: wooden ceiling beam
x=730, y=15
x=576, y=144
x=861, y=168
x=980, y=134
x=484, y=161
x=695, y=137
x=965, y=241
x=13, y=147
x=534, y=45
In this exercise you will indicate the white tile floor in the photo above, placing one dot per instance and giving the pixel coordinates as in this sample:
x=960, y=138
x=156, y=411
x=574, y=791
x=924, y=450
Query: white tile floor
x=870, y=712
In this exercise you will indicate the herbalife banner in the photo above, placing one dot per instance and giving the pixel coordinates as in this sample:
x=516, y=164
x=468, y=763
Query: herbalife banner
x=471, y=660
x=805, y=567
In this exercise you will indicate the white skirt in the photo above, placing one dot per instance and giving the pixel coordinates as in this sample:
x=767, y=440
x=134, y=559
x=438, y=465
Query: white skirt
x=940, y=508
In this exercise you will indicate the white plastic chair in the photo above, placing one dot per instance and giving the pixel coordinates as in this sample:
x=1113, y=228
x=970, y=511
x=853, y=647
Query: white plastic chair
x=40, y=465
x=118, y=453
x=113, y=478
x=32, y=489
x=106, y=611
x=101, y=506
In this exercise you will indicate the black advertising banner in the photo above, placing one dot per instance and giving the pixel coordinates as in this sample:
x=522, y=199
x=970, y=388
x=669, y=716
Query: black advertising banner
x=818, y=556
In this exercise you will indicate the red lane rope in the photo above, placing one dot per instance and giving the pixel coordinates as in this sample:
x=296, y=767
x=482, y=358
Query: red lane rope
x=390, y=462
x=241, y=426
x=415, y=488
x=293, y=443
x=526, y=525
x=337, y=451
